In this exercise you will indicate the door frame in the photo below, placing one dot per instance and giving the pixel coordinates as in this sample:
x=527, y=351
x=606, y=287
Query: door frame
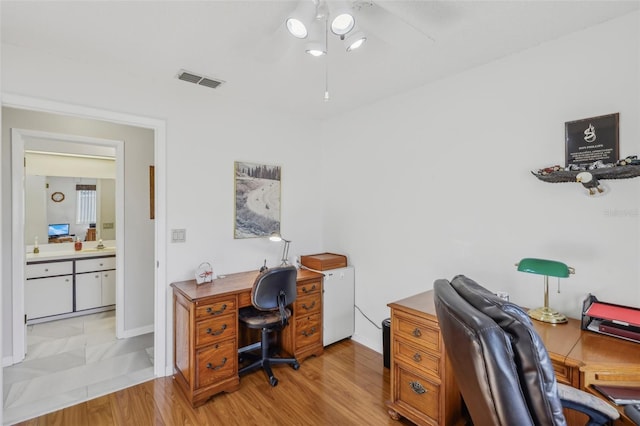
x=20, y=144
x=160, y=291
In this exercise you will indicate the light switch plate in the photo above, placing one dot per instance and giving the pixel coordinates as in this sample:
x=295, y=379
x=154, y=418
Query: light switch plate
x=178, y=235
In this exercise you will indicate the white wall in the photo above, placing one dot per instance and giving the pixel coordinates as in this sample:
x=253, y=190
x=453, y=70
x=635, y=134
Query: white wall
x=206, y=132
x=437, y=182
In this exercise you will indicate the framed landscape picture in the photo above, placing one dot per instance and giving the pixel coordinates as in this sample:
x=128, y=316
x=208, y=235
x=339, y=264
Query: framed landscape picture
x=257, y=205
x=592, y=139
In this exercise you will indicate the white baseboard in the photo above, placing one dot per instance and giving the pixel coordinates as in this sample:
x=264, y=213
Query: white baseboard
x=374, y=345
x=137, y=331
x=7, y=361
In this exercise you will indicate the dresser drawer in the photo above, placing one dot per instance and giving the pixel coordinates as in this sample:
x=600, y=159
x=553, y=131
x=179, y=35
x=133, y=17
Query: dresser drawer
x=308, y=288
x=216, y=362
x=37, y=270
x=308, y=305
x=91, y=265
x=216, y=308
x=308, y=329
x=215, y=329
x=420, y=333
x=415, y=357
x=419, y=393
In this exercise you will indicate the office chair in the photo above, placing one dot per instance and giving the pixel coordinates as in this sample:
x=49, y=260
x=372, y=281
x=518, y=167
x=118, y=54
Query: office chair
x=501, y=366
x=273, y=290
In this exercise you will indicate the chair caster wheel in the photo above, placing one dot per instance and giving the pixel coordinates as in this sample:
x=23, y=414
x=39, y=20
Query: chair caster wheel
x=273, y=381
x=295, y=366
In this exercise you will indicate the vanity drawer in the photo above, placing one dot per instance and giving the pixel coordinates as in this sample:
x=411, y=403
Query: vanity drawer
x=99, y=264
x=36, y=270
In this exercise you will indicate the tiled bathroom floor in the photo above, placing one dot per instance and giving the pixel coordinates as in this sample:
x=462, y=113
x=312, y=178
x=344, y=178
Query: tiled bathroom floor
x=73, y=360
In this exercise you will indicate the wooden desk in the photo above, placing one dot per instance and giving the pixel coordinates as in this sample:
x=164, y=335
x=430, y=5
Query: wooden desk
x=205, y=330
x=580, y=358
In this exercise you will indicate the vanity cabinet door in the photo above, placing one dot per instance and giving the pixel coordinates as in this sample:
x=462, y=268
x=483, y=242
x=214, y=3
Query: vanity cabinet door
x=88, y=290
x=48, y=296
x=108, y=288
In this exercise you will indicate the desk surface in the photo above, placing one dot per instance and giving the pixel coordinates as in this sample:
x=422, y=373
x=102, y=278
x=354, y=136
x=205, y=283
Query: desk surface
x=240, y=282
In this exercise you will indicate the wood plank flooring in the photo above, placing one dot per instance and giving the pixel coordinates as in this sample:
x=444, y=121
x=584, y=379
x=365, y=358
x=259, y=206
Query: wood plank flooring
x=347, y=385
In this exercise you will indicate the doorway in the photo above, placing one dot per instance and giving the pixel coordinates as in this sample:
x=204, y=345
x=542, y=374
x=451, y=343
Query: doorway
x=159, y=292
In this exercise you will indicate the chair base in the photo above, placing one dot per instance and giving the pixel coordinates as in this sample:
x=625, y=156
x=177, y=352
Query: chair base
x=265, y=361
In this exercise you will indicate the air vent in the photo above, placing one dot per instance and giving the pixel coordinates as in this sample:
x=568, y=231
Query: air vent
x=199, y=79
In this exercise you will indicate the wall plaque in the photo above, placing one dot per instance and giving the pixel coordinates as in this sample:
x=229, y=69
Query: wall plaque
x=592, y=139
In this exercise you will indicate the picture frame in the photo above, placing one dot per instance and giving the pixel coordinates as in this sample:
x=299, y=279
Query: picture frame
x=257, y=189
x=592, y=139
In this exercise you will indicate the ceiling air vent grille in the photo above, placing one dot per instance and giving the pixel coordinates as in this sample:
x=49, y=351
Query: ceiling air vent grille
x=192, y=77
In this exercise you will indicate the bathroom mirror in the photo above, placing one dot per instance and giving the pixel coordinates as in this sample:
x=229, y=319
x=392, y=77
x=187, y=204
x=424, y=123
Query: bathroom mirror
x=68, y=197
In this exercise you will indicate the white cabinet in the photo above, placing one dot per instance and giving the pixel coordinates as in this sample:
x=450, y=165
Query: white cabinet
x=48, y=289
x=338, y=304
x=68, y=287
x=97, y=288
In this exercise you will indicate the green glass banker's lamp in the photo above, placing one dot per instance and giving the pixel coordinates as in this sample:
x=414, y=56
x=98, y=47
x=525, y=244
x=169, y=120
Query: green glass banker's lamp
x=548, y=268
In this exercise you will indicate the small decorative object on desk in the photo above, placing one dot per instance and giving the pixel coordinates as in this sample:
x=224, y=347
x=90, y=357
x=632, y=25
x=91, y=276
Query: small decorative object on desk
x=204, y=273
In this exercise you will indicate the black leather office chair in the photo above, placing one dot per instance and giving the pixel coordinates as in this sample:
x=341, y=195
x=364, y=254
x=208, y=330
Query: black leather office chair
x=502, y=368
x=272, y=292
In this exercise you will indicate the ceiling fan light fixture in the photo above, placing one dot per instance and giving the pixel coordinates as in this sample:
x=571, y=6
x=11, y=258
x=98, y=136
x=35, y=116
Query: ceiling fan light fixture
x=299, y=20
x=297, y=28
x=354, y=41
x=342, y=23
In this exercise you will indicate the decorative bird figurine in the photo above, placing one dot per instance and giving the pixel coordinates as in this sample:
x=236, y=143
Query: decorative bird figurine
x=590, y=182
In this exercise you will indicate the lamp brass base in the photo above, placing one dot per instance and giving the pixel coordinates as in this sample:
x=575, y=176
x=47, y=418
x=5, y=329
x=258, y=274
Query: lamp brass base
x=547, y=315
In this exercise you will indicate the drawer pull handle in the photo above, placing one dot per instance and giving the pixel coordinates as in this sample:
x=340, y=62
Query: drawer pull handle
x=212, y=312
x=304, y=305
x=417, y=332
x=312, y=331
x=417, y=357
x=304, y=289
x=217, y=332
x=417, y=388
x=46, y=269
x=217, y=367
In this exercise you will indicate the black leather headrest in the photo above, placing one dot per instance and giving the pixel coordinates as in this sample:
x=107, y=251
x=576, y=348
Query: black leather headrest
x=530, y=355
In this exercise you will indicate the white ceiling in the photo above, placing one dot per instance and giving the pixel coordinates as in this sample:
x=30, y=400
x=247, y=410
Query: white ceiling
x=244, y=43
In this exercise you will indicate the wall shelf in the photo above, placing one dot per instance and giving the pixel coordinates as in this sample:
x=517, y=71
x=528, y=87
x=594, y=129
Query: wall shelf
x=615, y=172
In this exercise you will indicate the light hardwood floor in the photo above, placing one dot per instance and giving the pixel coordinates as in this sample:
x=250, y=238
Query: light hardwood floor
x=347, y=385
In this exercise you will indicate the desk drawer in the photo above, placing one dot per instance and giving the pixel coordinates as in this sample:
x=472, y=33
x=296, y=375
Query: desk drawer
x=307, y=305
x=216, y=362
x=414, y=357
x=215, y=329
x=420, y=393
x=308, y=329
x=420, y=333
x=312, y=287
x=210, y=309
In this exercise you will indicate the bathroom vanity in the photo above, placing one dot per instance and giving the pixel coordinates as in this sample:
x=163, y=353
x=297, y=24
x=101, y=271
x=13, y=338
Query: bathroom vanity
x=66, y=283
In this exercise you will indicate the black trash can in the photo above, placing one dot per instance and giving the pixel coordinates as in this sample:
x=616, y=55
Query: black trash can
x=386, y=342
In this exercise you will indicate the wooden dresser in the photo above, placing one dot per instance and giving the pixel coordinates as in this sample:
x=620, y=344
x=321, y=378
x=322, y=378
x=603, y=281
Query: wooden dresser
x=206, y=333
x=423, y=387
